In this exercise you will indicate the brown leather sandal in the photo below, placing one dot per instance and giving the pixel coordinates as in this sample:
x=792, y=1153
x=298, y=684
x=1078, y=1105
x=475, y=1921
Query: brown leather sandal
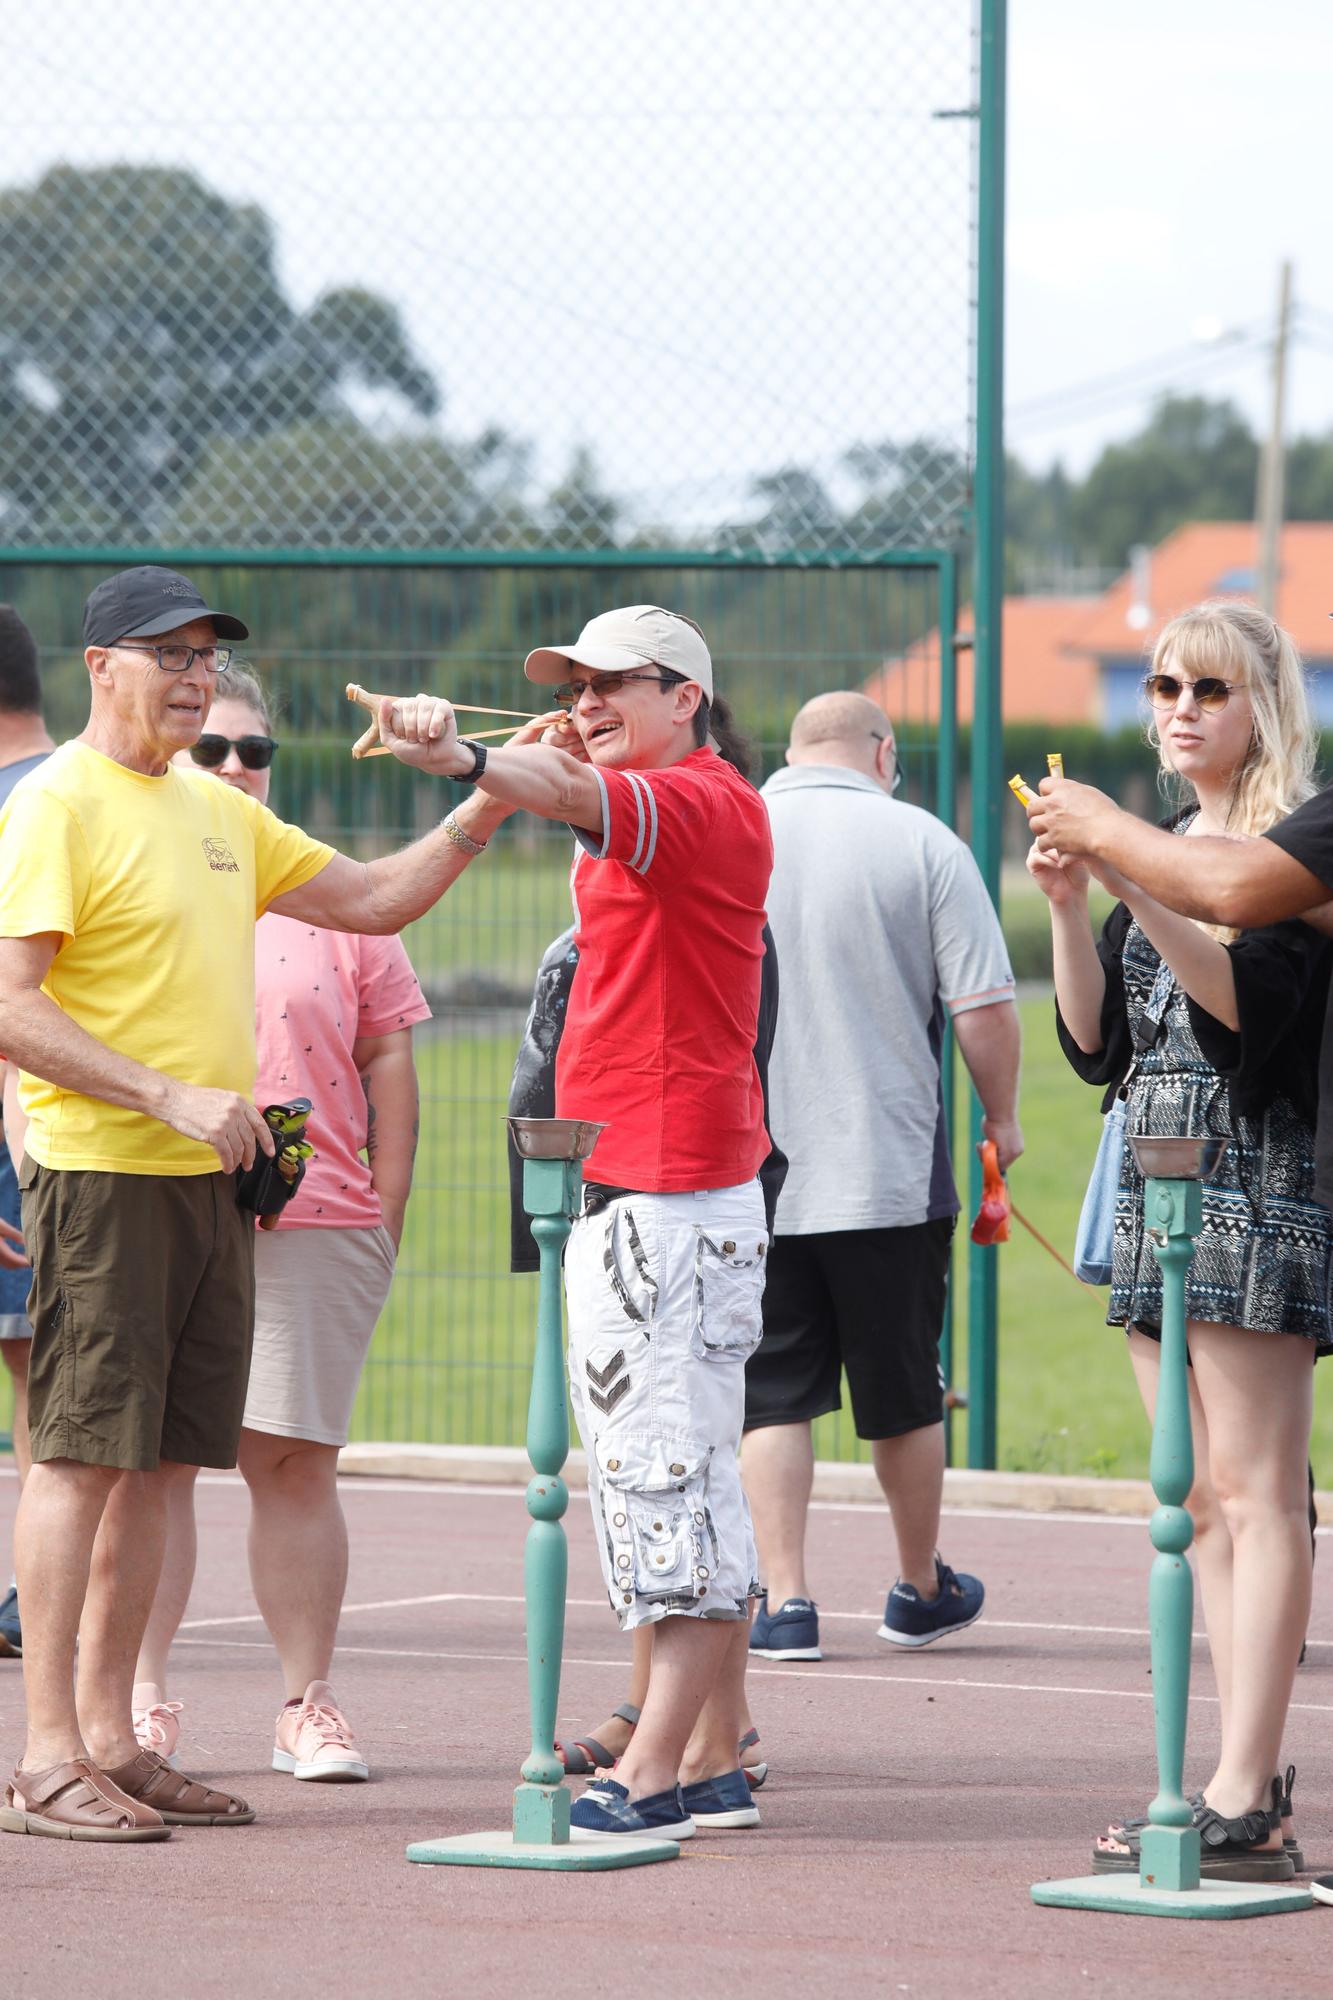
x=76, y=1801
x=181, y=1801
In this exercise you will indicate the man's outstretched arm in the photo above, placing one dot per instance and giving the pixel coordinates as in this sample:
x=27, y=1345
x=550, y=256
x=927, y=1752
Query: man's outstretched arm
x=1238, y=882
x=380, y=897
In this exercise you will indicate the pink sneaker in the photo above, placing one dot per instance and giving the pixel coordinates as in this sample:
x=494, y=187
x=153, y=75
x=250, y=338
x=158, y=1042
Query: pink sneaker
x=155, y=1724
x=316, y=1741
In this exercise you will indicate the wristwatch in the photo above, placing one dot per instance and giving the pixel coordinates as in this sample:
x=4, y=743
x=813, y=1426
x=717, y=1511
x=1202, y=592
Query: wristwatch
x=479, y=752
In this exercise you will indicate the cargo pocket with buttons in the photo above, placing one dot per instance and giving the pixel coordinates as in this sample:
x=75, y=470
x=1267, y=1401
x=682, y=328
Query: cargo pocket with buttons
x=728, y=1291
x=660, y=1541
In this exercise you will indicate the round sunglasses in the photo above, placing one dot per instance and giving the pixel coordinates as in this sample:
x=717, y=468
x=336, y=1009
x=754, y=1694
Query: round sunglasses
x=255, y=752
x=1210, y=694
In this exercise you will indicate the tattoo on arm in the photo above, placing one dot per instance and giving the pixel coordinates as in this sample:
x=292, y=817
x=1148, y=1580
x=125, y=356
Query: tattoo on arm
x=372, y=1136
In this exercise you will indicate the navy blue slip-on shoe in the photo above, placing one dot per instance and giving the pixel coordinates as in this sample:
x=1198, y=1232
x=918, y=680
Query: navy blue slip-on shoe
x=606, y=1808
x=913, y=1620
x=11, y=1635
x=721, y=1802
x=790, y=1633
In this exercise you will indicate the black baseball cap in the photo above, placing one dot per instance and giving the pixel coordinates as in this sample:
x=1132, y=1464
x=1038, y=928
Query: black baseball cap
x=139, y=603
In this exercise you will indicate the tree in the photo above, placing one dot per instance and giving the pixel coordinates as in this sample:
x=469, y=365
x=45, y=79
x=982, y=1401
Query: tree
x=1194, y=460
x=912, y=492
x=142, y=320
x=798, y=514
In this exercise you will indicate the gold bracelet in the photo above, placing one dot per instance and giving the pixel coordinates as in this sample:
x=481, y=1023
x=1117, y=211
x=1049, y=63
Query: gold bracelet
x=461, y=837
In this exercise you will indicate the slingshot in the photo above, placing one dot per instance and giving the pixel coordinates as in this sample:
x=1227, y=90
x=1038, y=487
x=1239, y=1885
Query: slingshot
x=370, y=744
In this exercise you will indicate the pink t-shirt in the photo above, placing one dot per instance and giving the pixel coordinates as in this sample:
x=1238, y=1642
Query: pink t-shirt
x=317, y=993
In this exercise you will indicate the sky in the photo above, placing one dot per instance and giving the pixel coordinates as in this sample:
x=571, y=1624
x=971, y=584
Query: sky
x=1163, y=160
x=709, y=238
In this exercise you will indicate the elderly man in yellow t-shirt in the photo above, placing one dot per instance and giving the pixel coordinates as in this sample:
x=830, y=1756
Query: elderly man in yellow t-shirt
x=129, y=892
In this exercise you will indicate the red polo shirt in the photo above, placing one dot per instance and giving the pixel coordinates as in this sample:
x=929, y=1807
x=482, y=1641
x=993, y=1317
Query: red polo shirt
x=669, y=916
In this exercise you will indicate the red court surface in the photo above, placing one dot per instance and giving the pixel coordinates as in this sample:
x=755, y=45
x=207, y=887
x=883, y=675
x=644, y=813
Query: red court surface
x=914, y=1797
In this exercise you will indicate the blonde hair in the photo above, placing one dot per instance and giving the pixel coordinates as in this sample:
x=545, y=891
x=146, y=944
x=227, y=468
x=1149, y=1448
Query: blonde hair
x=1276, y=773
x=241, y=683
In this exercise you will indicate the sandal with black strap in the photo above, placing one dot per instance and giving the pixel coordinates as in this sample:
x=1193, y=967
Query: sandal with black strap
x=1282, y=1800
x=585, y=1754
x=1232, y=1849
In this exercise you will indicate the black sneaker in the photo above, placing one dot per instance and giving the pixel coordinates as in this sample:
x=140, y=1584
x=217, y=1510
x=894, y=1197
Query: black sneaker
x=913, y=1620
x=11, y=1637
x=789, y=1633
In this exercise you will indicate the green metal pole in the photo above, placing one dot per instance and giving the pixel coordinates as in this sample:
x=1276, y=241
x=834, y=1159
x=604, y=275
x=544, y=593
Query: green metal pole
x=1169, y=1856
x=946, y=806
x=988, y=593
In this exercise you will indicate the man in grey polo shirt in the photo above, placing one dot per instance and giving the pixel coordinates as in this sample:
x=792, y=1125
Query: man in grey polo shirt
x=883, y=929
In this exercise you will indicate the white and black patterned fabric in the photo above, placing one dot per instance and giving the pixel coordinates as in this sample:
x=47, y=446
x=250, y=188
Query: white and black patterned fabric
x=1262, y=1257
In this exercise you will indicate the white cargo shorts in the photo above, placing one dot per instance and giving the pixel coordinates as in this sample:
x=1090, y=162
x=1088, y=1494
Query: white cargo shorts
x=664, y=1294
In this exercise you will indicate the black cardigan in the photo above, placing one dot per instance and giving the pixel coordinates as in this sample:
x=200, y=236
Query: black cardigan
x=1282, y=980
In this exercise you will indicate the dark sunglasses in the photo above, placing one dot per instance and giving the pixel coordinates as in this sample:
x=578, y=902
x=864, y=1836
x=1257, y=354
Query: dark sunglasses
x=255, y=752
x=1165, y=690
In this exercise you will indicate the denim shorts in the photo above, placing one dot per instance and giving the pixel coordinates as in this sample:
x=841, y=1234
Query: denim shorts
x=664, y=1295
x=13, y=1284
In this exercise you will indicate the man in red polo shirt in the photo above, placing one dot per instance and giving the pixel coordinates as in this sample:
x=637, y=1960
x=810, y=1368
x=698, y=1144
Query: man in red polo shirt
x=665, y=1267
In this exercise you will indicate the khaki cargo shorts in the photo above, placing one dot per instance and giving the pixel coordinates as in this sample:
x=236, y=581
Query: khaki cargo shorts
x=142, y=1308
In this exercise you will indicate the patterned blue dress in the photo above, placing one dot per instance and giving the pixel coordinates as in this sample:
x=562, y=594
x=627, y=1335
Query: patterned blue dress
x=1262, y=1259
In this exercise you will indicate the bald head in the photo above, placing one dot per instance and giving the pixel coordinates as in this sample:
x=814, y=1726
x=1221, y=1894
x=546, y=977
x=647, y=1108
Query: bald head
x=844, y=728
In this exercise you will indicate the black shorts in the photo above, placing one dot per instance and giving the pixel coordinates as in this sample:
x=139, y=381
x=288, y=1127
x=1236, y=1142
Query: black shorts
x=867, y=1300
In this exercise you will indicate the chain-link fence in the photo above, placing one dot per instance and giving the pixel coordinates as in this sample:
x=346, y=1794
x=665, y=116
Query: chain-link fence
x=576, y=276
x=421, y=337
x=451, y=1360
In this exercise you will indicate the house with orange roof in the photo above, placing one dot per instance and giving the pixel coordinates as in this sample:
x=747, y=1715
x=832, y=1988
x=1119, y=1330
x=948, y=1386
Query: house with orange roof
x=1208, y=559
x=1042, y=679
x=1082, y=659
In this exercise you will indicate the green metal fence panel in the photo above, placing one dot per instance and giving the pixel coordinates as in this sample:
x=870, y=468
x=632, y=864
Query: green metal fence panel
x=451, y=1359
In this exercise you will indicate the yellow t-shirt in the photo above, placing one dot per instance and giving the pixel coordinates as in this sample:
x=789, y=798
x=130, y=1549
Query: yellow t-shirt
x=155, y=885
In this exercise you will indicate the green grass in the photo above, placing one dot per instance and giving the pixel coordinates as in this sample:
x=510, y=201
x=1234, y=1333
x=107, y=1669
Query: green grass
x=450, y=1360
x=451, y=1357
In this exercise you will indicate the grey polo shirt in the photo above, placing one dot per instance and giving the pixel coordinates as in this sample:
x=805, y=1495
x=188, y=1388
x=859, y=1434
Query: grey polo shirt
x=882, y=925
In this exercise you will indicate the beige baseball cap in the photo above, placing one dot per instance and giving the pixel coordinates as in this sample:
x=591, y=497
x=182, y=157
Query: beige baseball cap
x=616, y=642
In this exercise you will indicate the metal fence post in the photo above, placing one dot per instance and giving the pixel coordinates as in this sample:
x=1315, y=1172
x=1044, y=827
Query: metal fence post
x=987, y=745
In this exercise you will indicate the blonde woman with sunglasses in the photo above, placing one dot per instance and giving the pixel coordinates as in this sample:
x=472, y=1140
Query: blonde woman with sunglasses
x=1207, y=1031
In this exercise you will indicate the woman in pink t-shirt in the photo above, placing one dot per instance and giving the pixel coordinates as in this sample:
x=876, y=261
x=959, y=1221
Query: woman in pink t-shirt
x=334, y=1017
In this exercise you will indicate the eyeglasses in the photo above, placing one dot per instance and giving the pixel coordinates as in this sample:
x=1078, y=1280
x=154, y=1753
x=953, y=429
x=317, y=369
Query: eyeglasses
x=255, y=752
x=176, y=659
x=878, y=736
x=567, y=696
x=1210, y=694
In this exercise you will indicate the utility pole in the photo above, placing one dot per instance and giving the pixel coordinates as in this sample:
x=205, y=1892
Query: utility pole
x=1270, y=497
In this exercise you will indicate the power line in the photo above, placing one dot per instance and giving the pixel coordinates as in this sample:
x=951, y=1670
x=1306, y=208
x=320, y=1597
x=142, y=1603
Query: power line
x=1101, y=398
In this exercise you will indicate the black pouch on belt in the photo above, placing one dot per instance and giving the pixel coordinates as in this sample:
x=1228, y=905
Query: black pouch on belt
x=269, y=1184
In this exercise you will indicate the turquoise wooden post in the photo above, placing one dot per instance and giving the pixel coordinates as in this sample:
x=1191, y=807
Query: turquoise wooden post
x=541, y=1802
x=553, y=1149
x=1169, y=1855
x=1168, y=1882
